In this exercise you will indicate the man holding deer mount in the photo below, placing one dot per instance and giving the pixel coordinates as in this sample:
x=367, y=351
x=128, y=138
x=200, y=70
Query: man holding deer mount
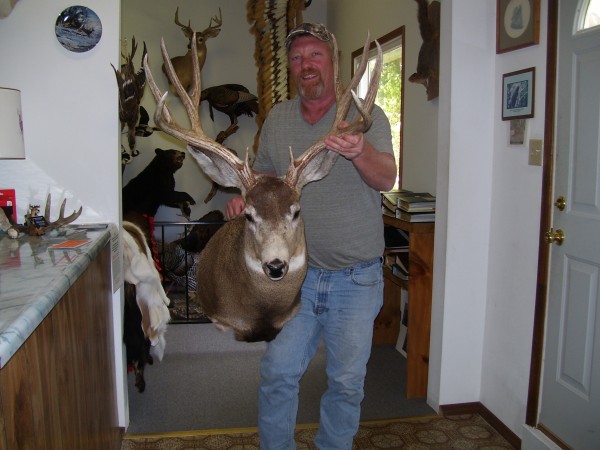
x=343, y=290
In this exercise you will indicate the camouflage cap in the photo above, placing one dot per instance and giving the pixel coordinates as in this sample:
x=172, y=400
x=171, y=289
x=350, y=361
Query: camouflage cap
x=317, y=30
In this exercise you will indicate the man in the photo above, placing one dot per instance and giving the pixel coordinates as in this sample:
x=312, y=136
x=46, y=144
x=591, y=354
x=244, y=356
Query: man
x=343, y=290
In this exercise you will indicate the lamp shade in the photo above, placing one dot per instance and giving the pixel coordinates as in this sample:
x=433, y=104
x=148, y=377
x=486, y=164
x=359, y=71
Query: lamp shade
x=12, y=144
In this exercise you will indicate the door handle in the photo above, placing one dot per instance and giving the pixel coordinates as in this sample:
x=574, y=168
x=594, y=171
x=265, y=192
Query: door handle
x=554, y=237
x=560, y=203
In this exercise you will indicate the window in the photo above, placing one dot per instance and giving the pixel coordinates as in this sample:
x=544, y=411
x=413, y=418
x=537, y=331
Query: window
x=591, y=18
x=390, y=96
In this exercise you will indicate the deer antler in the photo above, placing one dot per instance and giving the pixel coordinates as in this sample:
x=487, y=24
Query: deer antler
x=186, y=28
x=199, y=144
x=344, y=97
x=213, y=30
x=223, y=166
x=62, y=220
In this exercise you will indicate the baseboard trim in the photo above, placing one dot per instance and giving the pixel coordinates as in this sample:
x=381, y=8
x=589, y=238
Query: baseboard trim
x=486, y=414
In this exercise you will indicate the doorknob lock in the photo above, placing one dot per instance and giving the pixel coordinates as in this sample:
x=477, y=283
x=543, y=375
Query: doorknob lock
x=556, y=237
x=560, y=203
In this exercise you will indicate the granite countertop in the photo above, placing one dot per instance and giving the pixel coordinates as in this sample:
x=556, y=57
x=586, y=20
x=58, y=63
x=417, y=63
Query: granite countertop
x=34, y=277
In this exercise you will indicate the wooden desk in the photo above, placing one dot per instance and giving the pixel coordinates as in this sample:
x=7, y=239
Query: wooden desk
x=419, y=286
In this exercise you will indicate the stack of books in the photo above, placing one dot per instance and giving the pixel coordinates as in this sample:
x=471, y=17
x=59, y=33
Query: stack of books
x=396, y=251
x=408, y=205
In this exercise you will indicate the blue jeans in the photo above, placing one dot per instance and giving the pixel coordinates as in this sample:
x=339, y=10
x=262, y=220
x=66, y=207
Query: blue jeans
x=341, y=306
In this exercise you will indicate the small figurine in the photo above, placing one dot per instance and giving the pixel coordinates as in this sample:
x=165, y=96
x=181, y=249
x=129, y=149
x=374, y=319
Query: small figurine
x=35, y=224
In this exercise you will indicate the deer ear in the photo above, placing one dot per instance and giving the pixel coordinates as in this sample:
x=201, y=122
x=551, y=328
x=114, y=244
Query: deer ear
x=217, y=168
x=317, y=168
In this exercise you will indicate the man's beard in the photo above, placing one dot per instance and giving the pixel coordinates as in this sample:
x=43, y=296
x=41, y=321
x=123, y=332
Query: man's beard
x=311, y=91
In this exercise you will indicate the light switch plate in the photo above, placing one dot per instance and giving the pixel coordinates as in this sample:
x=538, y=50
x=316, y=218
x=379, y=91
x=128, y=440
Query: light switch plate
x=535, y=152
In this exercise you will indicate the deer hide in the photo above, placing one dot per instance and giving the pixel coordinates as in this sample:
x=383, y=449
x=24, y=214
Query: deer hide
x=139, y=270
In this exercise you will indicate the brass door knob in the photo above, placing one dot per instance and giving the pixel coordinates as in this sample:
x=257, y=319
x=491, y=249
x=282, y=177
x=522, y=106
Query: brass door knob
x=560, y=203
x=556, y=237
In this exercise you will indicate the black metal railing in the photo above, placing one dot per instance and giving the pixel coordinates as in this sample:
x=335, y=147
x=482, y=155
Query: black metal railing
x=179, y=245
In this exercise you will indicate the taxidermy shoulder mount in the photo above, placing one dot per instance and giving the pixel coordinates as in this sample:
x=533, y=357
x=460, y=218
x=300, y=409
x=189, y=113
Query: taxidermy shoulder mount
x=428, y=64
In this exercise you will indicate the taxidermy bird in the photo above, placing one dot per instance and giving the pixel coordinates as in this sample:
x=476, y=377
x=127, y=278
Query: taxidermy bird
x=233, y=100
x=143, y=129
x=131, y=89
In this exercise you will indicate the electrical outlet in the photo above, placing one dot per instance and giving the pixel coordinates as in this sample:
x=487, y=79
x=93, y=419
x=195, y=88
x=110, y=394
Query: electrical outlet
x=535, y=152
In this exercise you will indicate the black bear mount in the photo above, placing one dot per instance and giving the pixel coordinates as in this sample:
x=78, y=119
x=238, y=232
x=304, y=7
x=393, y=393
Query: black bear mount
x=428, y=64
x=155, y=186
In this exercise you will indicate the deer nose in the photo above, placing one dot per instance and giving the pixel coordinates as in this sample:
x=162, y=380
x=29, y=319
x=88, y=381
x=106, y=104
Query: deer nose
x=276, y=269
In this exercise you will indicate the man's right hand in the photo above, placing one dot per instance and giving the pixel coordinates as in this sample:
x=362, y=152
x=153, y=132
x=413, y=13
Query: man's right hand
x=235, y=207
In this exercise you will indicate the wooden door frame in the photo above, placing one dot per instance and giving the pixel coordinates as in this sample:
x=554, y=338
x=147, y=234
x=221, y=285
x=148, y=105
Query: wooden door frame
x=541, y=297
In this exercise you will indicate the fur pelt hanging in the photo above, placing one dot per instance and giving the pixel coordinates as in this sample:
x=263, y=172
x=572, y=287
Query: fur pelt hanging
x=139, y=270
x=271, y=21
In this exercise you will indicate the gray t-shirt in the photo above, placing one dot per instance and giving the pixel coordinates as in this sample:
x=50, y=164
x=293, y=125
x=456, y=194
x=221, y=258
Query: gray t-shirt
x=342, y=214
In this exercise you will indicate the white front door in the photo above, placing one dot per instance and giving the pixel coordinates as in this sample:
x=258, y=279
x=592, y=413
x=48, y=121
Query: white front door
x=570, y=398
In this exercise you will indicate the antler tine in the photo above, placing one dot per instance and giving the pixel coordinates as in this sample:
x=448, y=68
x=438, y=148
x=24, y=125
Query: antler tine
x=177, y=22
x=197, y=140
x=192, y=101
x=133, y=48
x=344, y=99
x=162, y=116
x=47, y=209
x=365, y=107
x=62, y=220
x=218, y=22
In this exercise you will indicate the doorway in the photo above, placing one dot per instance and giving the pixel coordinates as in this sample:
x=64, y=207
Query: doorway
x=563, y=401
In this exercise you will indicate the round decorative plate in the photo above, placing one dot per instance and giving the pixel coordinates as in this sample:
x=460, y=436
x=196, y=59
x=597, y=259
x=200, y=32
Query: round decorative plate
x=78, y=29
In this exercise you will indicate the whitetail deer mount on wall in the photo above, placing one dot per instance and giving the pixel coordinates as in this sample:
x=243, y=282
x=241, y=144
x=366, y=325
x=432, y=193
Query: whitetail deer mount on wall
x=183, y=64
x=251, y=271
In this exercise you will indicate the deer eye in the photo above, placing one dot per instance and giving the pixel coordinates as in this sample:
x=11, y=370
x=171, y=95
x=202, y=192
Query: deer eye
x=249, y=217
x=296, y=215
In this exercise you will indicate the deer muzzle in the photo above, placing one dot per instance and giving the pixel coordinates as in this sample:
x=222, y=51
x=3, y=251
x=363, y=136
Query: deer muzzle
x=275, y=269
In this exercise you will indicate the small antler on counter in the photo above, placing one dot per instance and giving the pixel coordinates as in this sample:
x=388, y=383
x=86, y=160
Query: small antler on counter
x=36, y=225
x=62, y=220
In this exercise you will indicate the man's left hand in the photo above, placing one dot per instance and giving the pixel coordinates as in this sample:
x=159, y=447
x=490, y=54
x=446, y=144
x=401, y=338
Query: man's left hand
x=350, y=146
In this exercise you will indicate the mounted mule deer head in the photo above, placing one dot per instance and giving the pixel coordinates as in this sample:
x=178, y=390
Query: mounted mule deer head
x=183, y=64
x=252, y=269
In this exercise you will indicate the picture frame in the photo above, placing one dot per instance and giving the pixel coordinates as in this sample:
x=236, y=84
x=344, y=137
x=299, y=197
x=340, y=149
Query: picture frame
x=517, y=131
x=517, y=24
x=518, y=94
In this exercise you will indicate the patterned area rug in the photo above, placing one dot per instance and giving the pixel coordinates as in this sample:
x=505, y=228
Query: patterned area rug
x=466, y=431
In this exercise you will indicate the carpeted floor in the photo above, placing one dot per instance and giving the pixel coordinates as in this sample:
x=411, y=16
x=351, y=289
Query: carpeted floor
x=208, y=381
x=467, y=431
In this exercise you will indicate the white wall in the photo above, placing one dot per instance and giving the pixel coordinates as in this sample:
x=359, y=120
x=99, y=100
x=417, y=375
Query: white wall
x=69, y=103
x=486, y=240
x=514, y=240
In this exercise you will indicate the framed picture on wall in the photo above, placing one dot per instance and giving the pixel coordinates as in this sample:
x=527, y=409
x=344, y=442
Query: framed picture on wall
x=517, y=24
x=518, y=131
x=518, y=94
